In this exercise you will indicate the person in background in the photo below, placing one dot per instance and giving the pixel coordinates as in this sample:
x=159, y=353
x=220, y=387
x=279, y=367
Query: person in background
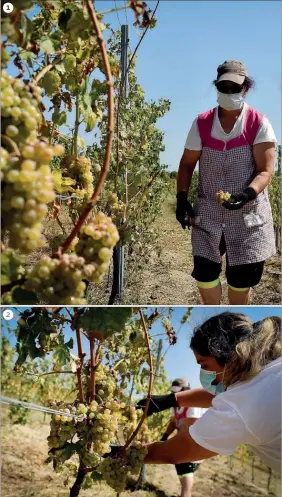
x=181, y=419
x=241, y=378
x=235, y=147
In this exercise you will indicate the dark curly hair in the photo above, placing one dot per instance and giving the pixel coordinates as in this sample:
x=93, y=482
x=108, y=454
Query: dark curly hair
x=242, y=347
x=249, y=84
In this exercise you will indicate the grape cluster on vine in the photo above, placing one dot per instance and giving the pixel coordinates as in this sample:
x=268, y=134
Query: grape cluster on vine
x=115, y=471
x=27, y=188
x=96, y=243
x=27, y=185
x=20, y=114
x=58, y=281
x=117, y=206
x=79, y=169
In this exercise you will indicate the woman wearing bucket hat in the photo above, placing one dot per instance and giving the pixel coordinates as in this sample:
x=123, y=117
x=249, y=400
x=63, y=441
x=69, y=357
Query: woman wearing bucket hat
x=235, y=147
x=181, y=419
x=240, y=365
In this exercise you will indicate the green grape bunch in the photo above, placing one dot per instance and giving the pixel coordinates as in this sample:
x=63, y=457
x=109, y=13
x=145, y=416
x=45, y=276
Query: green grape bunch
x=222, y=197
x=94, y=426
x=105, y=383
x=20, y=110
x=97, y=241
x=79, y=169
x=115, y=471
x=117, y=206
x=51, y=83
x=58, y=281
x=27, y=188
x=61, y=280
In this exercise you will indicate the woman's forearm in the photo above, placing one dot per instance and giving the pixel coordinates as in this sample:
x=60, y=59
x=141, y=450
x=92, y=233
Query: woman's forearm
x=261, y=181
x=196, y=397
x=184, y=176
x=179, y=449
x=170, y=428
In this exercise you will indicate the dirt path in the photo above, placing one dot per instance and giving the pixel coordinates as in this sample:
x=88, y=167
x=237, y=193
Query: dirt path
x=167, y=280
x=24, y=449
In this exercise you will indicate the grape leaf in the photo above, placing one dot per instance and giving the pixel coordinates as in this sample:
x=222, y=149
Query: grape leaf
x=47, y=45
x=74, y=363
x=64, y=17
x=90, y=116
x=103, y=320
x=61, y=67
x=90, y=121
x=62, y=353
x=96, y=476
x=61, y=184
x=11, y=266
x=75, y=22
x=24, y=297
x=28, y=56
x=67, y=452
x=80, y=142
x=59, y=118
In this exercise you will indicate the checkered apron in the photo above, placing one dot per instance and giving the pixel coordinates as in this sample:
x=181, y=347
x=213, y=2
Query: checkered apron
x=230, y=167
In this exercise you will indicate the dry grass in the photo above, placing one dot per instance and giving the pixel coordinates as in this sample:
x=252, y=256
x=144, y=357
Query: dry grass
x=165, y=280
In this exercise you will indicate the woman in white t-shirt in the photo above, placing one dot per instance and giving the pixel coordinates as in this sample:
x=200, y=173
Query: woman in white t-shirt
x=235, y=147
x=181, y=419
x=241, y=376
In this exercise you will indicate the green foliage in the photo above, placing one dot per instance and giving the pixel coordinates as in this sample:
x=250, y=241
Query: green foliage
x=28, y=384
x=38, y=333
x=275, y=199
x=105, y=320
x=111, y=415
x=64, y=33
x=19, y=415
x=193, y=190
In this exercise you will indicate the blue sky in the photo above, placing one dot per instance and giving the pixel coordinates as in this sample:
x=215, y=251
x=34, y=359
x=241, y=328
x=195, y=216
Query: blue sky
x=178, y=59
x=179, y=360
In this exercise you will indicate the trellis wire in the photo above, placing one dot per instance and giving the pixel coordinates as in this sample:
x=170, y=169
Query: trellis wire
x=35, y=407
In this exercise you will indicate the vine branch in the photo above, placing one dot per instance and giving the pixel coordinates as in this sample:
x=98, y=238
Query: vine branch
x=81, y=356
x=48, y=68
x=120, y=96
x=150, y=387
x=10, y=286
x=92, y=368
x=106, y=162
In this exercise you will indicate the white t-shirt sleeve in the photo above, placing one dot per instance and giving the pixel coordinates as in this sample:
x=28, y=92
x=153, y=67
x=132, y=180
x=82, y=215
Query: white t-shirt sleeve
x=221, y=429
x=194, y=412
x=265, y=132
x=193, y=141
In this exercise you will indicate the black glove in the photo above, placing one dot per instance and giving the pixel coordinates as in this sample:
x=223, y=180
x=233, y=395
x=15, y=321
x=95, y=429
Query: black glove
x=184, y=210
x=158, y=403
x=238, y=200
x=115, y=449
x=164, y=437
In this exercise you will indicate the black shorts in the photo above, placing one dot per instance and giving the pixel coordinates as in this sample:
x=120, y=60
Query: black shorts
x=186, y=468
x=241, y=276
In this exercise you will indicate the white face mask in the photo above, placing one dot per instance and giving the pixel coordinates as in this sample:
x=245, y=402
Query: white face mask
x=233, y=101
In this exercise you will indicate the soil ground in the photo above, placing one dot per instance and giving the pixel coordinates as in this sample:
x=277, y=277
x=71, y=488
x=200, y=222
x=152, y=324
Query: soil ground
x=24, y=449
x=167, y=280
